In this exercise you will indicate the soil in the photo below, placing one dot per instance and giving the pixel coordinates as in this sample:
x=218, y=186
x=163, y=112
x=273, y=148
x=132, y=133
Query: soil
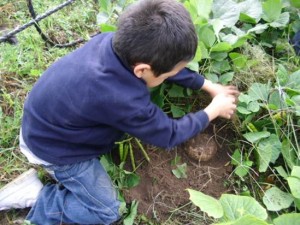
x=160, y=192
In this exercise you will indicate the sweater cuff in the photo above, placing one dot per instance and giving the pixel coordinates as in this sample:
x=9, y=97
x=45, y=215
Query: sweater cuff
x=203, y=118
x=198, y=82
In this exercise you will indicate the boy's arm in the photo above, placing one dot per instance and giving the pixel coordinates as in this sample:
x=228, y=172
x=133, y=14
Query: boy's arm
x=188, y=78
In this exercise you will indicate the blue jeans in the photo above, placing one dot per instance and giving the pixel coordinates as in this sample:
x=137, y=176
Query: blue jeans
x=84, y=195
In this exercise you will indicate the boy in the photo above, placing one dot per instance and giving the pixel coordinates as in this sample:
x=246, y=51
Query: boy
x=86, y=100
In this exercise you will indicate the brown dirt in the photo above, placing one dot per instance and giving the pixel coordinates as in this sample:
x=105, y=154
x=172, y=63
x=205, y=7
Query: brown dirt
x=160, y=192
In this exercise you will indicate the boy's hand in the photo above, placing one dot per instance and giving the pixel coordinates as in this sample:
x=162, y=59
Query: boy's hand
x=215, y=89
x=222, y=105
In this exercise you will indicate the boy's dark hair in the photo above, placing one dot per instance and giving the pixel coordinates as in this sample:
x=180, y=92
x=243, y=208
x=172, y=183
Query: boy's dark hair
x=156, y=32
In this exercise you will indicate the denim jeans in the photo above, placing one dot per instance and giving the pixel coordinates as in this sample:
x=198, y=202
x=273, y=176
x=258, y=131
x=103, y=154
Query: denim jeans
x=84, y=194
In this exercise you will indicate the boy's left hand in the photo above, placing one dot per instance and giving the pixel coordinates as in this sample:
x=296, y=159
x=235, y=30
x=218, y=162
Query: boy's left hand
x=214, y=89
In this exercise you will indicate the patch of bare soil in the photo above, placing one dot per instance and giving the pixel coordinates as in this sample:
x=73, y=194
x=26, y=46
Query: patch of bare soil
x=160, y=192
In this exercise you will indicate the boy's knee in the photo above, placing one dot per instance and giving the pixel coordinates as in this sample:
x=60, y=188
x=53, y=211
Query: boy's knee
x=109, y=213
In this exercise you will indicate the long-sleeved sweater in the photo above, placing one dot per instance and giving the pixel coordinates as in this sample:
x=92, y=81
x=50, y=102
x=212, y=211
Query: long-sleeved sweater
x=86, y=100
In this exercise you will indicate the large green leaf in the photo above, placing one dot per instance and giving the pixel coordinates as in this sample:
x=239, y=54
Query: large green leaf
x=207, y=36
x=245, y=220
x=222, y=47
x=282, y=21
x=235, y=207
x=275, y=144
x=265, y=156
x=275, y=199
x=256, y=136
x=272, y=10
x=251, y=8
x=203, y=7
x=227, y=11
x=206, y=203
x=294, y=181
x=294, y=80
x=259, y=91
x=176, y=91
x=288, y=219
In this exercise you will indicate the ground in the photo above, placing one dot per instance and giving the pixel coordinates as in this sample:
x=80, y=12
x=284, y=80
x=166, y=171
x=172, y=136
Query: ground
x=163, y=197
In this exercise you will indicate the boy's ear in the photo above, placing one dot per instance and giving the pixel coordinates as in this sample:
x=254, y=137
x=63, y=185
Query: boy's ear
x=140, y=69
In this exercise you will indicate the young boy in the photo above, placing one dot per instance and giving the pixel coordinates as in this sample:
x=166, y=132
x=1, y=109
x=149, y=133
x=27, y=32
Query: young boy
x=86, y=100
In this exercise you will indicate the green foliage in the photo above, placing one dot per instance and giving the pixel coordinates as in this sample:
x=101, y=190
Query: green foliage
x=230, y=209
x=243, y=210
x=180, y=171
x=120, y=176
x=126, y=146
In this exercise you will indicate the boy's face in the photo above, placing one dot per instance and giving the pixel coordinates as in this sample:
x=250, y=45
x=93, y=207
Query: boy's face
x=144, y=72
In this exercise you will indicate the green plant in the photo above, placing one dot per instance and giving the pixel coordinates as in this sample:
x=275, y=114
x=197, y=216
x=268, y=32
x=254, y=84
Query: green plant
x=126, y=146
x=238, y=210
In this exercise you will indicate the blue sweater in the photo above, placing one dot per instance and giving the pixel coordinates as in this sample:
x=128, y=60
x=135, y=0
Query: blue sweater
x=86, y=100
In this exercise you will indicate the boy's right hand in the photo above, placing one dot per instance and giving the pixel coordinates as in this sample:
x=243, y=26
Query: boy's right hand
x=222, y=105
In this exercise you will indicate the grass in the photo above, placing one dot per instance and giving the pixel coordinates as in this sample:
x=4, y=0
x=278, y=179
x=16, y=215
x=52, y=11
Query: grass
x=22, y=64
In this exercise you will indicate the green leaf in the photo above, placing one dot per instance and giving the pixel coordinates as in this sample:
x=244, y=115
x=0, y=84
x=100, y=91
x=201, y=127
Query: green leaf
x=295, y=3
x=256, y=136
x=176, y=111
x=129, y=220
x=218, y=56
x=272, y=10
x=265, y=156
x=105, y=5
x=288, y=219
x=204, y=51
x=288, y=153
x=193, y=65
x=247, y=19
x=253, y=106
x=131, y=179
x=203, y=7
x=282, y=21
x=275, y=144
x=275, y=199
x=242, y=166
x=236, y=207
x=107, y=27
x=176, y=91
x=243, y=110
x=245, y=220
x=207, y=204
x=226, y=78
x=239, y=60
x=245, y=98
x=207, y=36
x=251, y=11
x=180, y=171
x=258, y=29
x=281, y=171
x=222, y=47
x=294, y=80
x=220, y=67
x=212, y=77
x=227, y=11
x=198, y=55
x=241, y=41
x=259, y=91
x=294, y=181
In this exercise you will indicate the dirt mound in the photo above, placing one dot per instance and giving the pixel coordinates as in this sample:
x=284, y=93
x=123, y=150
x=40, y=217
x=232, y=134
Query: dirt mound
x=161, y=192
